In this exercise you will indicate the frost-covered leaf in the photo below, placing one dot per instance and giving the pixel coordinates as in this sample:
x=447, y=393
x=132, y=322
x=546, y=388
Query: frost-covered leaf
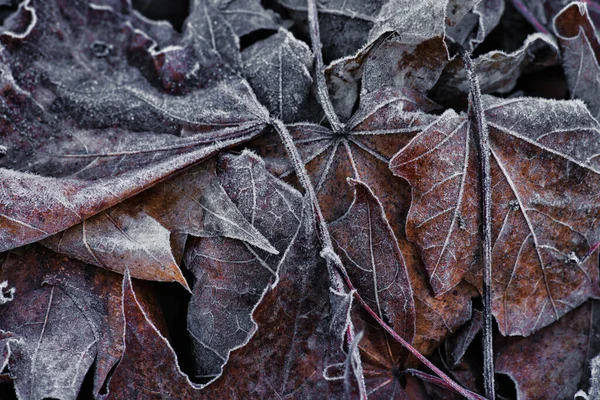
x=370, y=253
x=544, y=210
x=580, y=50
x=388, y=61
x=474, y=26
x=66, y=317
x=279, y=362
x=247, y=16
x=279, y=69
x=89, y=130
x=136, y=234
x=231, y=277
x=140, y=374
x=386, y=120
x=348, y=25
x=497, y=70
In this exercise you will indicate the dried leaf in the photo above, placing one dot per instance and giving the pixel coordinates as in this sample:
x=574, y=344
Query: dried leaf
x=89, y=165
x=138, y=375
x=497, y=71
x=580, y=50
x=231, y=277
x=282, y=363
x=65, y=315
x=135, y=234
x=279, y=69
x=550, y=363
x=543, y=197
x=370, y=253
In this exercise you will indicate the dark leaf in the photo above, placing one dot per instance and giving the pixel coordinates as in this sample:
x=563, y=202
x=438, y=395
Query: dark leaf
x=497, y=71
x=231, y=277
x=550, y=363
x=95, y=127
x=370, y=253
x=140, y=374
x=293, y=344
x=64, y=316
x=279, y=69
x=580, y=50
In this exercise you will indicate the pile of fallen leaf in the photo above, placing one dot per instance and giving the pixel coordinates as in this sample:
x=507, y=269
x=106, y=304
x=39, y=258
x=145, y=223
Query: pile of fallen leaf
x=283, y=199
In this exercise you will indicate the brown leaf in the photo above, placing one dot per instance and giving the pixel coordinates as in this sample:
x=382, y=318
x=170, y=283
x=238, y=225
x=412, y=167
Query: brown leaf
x=135, y=234
x=231, y=277
x=369, y=250
x=140, y=374
x=386, y=120
x=543, y=217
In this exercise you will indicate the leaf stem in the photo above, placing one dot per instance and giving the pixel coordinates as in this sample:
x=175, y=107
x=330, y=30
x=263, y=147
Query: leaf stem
x=449, y=383
x=481, y=134
x=327, y=252
x=436, y=381
x=323, y=92
x=522, y=8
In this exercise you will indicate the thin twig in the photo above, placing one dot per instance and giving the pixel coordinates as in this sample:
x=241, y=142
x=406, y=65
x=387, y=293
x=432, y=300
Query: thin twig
x=522, y=8
x=435, y=380
x=327, y=251
x=448, y=381
x=481, y=134
x=591, y=251
x=323, y=92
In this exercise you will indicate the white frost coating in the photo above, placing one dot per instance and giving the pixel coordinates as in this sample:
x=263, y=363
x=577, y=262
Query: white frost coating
x=594, y=391
x=26, y=6
x=6, y=295
x=580, y=64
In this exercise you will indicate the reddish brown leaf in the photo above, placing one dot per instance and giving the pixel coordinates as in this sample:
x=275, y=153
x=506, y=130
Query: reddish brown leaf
x=136, y=233
x=369, y=250
x=544, y=217
x=141, y=374
x=386, y=120
x=232, y=277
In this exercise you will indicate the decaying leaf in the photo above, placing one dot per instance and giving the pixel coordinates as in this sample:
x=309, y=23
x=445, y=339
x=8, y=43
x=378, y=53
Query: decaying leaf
x=231, y=277
x=543, y=193
x=551, y=362
x=66, y=317
x=217, y=151
x=135, y=234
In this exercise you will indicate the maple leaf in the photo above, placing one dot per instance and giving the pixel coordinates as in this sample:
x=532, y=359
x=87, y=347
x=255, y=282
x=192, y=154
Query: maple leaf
x=65, y=318
x=135, y=234
x=113, y=130
x=230, y=274
x=370, y=252
x=541, y=214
